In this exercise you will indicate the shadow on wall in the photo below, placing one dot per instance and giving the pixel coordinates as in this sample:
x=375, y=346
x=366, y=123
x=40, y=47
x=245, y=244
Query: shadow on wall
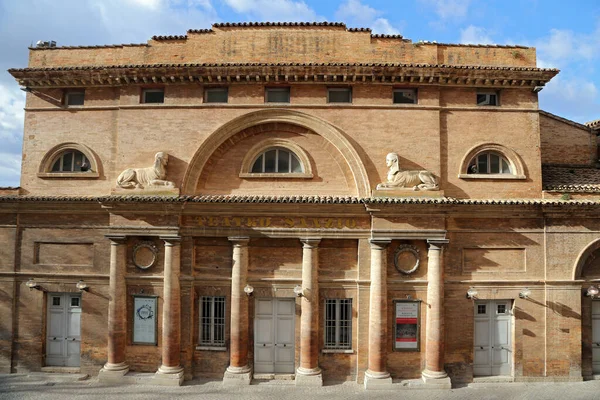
x=176, y=169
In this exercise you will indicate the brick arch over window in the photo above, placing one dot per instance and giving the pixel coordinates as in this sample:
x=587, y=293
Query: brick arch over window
x=513, y=159
x=329, y=132
x=51, y=156
x=583, y=257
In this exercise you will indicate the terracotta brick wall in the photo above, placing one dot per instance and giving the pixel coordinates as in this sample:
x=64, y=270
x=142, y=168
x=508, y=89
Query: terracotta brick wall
x=564, y=143
x=284, y=44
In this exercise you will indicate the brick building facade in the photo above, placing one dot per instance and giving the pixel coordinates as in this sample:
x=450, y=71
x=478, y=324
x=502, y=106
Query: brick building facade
x=207, y=205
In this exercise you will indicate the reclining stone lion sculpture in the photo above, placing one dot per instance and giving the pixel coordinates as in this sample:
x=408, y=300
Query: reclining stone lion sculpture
x=150, y=176
x=418, y=180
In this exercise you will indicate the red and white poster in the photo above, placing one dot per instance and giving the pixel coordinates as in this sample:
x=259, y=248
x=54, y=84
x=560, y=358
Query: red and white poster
x=407, y=326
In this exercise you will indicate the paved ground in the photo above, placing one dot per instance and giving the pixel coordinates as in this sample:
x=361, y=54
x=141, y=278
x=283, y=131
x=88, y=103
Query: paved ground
x=42, y=386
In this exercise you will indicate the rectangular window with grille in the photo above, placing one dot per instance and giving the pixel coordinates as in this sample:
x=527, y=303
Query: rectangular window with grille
x=338, y=324
x=212, y=321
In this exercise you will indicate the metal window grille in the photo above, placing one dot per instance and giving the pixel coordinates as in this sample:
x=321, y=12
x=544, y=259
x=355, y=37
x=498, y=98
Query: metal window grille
x=70, y=161
x=338, y=323
x=212, y=321
x=277, y=160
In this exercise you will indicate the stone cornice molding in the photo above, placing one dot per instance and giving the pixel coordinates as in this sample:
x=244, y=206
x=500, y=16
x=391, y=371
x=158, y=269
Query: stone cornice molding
x=269, y=73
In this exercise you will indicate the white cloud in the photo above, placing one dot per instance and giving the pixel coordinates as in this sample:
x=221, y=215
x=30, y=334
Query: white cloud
x=279, y=10
x=563, y=46
x=152, y=4
x=12, y=102
x=10, y=167
x=382, y=25
x=448, y=9
x=359, y=15
x=576, y=99
x=475, y=35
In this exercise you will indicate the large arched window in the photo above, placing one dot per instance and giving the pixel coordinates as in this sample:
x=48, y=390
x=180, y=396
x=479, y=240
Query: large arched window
x=491, y=161
x=276, y=158
x=69, y=160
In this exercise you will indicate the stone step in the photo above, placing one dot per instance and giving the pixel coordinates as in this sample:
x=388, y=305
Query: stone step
x=273, y=379
x=57, y=377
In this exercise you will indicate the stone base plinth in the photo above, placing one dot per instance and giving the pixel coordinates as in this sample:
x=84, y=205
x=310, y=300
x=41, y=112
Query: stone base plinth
x=237, y=376
x=168, y=376
x=113, y=372
x=407, y=192
x=436, y=380
x=309, y=377
x=147, y=191
x=378, y=381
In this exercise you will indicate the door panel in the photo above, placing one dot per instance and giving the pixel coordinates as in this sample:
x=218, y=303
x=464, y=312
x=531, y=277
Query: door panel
x=274, y=336
x=63, y=338
x=596, y=336
x=492, y=338
x=73, y=331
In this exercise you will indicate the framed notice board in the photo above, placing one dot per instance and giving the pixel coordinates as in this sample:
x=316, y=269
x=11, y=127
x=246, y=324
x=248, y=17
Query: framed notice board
x=407, y=325
x=144, y=320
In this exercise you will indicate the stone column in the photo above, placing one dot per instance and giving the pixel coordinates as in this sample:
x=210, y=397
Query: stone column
x=434, y=372
x=239, y=372
x=171, y=371
x=376, y=376
x=309, y=373
x=116, y=366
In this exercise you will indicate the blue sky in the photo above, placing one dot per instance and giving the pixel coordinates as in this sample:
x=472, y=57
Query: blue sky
x=566, y=35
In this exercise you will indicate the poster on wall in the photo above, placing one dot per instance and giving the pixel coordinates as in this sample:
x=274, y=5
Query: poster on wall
x=406, y=336
x=144, y=320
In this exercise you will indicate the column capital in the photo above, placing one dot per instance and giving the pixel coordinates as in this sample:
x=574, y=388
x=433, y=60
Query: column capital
x=239, y=241
x=437, y=244
x=116, y=239
x=379, y=243
x=171, y=240
x=310, y=243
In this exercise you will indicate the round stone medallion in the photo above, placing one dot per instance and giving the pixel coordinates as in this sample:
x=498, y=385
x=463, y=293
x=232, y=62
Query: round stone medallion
x=406, y=259
x=144, y=255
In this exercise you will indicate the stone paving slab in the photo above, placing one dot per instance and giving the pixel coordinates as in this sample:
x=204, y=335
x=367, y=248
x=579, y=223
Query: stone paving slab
x=40, y=387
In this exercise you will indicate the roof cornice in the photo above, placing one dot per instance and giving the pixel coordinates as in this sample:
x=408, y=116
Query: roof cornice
x=240, y=199
x=417, y=74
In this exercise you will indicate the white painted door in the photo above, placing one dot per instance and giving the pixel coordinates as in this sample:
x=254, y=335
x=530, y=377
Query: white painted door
x=493, y=333
x=274, y=336
x=63, y=333
x=596, y=336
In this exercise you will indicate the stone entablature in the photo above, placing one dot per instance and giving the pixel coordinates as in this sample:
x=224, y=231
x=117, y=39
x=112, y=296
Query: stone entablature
x=273, y=73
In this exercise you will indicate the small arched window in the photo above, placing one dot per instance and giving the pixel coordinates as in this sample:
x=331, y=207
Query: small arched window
x=277, y=160
x=489, y=162
x=70, y=161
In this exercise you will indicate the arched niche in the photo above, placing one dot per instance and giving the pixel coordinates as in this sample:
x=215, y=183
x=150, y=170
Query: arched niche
x=588, y=262
x=333, y=135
